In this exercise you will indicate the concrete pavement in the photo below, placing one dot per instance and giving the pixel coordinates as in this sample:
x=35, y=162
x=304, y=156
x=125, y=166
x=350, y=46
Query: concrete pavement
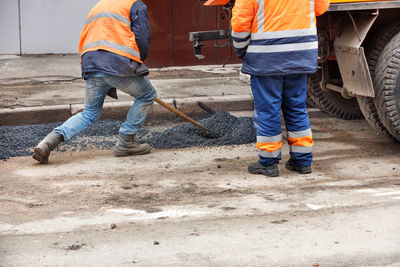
x=200, y=207
x=195, y=206
x=48, y=88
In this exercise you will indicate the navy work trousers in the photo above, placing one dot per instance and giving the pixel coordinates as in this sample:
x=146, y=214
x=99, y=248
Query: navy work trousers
x=273, y=94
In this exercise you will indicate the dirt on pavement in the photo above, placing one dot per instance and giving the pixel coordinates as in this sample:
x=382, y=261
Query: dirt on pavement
x=203, y=207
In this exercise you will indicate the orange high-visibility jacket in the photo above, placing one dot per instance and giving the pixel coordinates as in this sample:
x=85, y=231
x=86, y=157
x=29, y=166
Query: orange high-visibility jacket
x=277, y=37
x=108, y=27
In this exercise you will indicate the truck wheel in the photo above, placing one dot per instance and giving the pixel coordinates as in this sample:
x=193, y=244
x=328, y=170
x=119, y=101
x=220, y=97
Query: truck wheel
x=332, y=102
x=367, y=104
x=370, y=113
x=387, y=86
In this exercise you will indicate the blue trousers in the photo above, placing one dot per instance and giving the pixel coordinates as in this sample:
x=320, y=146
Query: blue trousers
x=273, y=94
x=97, y=86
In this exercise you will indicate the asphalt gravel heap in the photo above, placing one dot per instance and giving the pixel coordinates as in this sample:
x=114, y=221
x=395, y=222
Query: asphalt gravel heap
x=225, y=128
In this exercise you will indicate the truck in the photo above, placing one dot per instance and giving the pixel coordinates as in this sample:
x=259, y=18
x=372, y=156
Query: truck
x=358, y=61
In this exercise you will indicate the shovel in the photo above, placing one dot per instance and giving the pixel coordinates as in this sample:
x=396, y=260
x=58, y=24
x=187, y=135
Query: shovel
x=113, y=93
x=183, y=116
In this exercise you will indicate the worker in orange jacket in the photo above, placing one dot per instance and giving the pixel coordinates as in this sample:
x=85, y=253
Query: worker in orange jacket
x=113, y=44
x=277, y=41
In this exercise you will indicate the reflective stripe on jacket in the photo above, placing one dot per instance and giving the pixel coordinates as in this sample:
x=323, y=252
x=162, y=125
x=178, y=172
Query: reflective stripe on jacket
x=275, y=37
x=108, y=27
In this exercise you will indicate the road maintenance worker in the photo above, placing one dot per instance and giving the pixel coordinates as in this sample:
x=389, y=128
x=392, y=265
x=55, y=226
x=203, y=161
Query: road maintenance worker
x=277, y=41
x=113, y=45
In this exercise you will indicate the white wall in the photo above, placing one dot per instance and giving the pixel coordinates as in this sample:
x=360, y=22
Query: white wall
x=47, y=26
x=9, y=32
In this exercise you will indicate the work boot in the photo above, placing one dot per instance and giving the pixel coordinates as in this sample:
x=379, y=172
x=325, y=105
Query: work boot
x=42, y=151
x=126, y=145
x=270, y=170
x=291, y=166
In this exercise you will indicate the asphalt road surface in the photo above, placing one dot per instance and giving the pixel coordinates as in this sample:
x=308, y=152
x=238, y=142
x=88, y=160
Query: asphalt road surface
x=199, y=206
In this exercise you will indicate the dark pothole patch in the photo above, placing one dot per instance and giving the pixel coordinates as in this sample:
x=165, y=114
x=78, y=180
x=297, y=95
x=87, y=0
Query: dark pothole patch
x=226, y=128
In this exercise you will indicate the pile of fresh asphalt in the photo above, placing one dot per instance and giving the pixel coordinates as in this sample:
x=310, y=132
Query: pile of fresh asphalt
x=225, y=128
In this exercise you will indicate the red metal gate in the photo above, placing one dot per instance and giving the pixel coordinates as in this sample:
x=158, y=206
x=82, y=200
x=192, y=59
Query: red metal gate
x=171, y=21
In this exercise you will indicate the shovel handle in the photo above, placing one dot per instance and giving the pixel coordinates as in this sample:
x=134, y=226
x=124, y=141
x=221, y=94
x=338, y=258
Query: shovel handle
x=182, y=115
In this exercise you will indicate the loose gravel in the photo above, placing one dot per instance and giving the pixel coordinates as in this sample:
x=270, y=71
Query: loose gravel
x=227, y=130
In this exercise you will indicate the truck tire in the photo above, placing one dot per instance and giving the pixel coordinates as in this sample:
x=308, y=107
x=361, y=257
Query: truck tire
x=387, y=86
x=370, y=113
x=375, y=49
x=332, y=102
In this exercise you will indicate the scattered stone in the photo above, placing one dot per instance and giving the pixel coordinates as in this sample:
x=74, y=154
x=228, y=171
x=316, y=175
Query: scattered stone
x=113, y=226
x=32, y=205
x=18, y=141
x=75, y=246
x=228, y=208
x=126, y=187
x=280, y=221
x=156, y=243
